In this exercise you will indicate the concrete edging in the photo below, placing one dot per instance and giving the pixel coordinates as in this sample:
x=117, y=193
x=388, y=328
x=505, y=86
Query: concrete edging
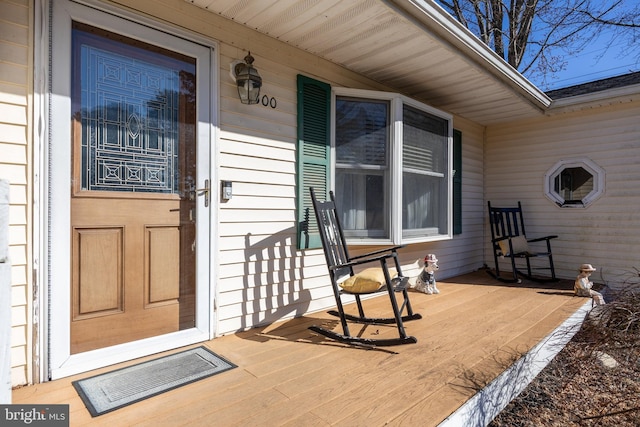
x=485, y=405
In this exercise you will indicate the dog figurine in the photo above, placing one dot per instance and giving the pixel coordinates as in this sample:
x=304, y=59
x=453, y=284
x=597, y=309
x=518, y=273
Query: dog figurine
x=426, y=281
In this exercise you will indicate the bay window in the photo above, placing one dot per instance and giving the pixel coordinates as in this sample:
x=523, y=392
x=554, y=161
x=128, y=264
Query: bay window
x=388, y=158
x=392, y=168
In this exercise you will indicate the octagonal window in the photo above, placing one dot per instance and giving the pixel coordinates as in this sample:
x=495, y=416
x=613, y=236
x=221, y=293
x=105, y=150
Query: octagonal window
x=574, y=183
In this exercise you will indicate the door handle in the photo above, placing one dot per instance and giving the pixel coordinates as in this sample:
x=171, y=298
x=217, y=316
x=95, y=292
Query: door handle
x=203, y=192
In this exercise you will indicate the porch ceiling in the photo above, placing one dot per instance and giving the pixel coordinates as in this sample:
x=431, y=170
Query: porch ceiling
x=412, y=46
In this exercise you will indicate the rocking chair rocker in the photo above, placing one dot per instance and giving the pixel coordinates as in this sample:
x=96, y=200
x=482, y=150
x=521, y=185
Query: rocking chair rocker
x=344, y=281
x=508, y=240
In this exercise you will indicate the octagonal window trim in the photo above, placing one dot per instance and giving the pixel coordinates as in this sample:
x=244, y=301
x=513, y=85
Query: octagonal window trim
x=555, y=172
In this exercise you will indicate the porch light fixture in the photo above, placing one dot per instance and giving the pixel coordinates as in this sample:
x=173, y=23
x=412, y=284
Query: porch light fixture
x=248, y=81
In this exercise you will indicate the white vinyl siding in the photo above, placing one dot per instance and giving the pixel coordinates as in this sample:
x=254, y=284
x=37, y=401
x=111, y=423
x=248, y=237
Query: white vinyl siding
x=606, y=232
x=262, y=277
x=15, y=148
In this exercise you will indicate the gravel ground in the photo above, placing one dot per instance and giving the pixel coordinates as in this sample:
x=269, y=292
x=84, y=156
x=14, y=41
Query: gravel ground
x=594, y=380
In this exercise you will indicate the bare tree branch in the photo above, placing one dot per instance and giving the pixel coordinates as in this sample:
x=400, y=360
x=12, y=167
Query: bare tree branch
x=538, y=36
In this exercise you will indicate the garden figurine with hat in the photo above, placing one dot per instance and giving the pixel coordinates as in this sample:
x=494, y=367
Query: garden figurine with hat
x=426, y=281
x=583, y=286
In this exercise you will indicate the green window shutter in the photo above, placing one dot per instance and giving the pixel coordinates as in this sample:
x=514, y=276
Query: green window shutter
x=313, y=160
x=457, y=182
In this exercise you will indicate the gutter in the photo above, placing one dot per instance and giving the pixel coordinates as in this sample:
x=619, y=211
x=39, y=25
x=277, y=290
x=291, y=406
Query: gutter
x=595, y=99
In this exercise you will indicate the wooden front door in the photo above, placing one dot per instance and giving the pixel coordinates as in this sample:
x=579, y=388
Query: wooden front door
x=133, y=196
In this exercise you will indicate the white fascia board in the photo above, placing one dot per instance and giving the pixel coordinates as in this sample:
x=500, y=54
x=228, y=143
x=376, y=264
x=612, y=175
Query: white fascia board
x=609, y=96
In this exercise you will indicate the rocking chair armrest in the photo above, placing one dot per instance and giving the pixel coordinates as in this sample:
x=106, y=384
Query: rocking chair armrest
x=380, y=251
x=499, y=239
x=540, y=239
x=361, y=261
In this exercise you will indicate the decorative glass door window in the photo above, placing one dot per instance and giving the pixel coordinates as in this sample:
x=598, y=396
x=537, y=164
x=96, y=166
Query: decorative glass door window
x=129, y=112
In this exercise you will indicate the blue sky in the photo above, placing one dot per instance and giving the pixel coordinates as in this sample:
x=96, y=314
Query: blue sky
x=597, y=61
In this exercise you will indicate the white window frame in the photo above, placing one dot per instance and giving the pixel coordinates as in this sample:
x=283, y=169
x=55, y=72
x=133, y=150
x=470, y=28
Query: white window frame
x=587, y=164
x=396, y=102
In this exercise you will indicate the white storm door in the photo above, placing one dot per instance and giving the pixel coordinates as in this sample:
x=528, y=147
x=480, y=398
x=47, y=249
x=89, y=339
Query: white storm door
x=130, y=256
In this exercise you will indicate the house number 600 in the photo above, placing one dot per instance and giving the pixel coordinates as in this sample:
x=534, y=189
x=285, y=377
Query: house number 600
x=269, y=102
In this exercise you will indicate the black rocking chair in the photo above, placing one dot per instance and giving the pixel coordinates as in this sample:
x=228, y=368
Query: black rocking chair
x=508, y=240
x=340, y=266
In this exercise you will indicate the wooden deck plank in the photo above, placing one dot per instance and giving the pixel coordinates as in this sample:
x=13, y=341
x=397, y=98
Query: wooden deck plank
x=288, y=375
x=232, y=394
x=393, y=406
x=380, y=404
x=401, y=385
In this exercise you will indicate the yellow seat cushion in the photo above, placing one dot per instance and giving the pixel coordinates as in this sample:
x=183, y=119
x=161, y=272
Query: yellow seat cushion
x=368, y=280
x=519, y=243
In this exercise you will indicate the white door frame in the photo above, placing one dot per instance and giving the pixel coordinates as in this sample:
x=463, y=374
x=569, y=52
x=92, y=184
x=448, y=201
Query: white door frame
x=54, y=270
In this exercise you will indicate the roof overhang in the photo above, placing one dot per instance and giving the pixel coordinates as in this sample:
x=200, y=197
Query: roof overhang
x=411, y=46
x=613, y=96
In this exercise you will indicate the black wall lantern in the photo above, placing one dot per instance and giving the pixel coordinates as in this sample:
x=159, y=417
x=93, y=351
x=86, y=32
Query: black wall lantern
x=248, y=81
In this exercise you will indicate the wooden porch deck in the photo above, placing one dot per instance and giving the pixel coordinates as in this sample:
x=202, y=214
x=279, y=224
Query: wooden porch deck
x=288, y=376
